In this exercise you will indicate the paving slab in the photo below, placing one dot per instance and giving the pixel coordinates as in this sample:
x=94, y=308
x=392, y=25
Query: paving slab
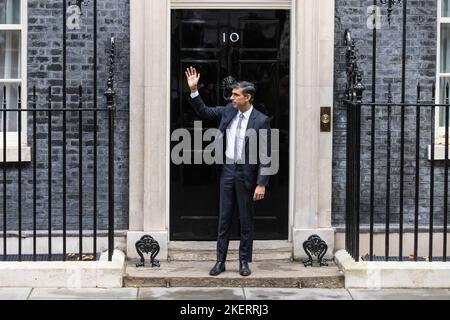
x=400, y=294
x=83, y=294
x=191, y=294
x=14, y=293
x=296, y=294
x=272, y=273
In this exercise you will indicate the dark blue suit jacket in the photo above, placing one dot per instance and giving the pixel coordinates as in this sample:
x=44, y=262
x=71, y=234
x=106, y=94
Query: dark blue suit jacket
x=223, y=116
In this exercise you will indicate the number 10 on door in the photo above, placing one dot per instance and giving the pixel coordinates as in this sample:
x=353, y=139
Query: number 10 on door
x=234, y=37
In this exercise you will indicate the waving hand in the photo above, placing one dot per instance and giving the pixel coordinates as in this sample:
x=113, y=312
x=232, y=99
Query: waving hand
x=192, y=78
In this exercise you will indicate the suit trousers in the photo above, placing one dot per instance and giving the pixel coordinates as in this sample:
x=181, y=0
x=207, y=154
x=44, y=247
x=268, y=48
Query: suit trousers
x=234, y=193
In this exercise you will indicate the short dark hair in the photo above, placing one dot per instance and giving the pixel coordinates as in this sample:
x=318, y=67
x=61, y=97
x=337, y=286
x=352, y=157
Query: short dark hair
x=248, y=88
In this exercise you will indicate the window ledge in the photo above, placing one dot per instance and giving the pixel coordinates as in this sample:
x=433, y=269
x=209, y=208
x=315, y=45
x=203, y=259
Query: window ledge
x=439, y=152
x=13, y=156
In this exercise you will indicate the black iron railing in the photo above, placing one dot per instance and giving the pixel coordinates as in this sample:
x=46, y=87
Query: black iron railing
x=388, y=198
x=17, y=205
x=39, y=169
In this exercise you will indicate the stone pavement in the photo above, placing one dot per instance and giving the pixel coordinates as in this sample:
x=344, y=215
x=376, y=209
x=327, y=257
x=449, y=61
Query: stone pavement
x=221, y=294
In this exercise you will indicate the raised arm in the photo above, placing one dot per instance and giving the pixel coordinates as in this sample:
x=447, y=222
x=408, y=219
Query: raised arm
x=196, y=101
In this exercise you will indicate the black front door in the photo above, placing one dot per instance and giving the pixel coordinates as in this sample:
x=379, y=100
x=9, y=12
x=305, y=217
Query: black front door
x=247, y=45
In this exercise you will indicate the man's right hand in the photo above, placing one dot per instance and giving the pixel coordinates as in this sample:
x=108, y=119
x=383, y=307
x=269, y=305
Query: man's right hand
x=192, y=78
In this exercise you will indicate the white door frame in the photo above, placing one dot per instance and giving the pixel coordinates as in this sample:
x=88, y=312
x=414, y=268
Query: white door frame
x=254, y=5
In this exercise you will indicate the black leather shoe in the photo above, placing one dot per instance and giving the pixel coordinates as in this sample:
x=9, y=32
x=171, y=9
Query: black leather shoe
x=218, y=268
x=244, y=269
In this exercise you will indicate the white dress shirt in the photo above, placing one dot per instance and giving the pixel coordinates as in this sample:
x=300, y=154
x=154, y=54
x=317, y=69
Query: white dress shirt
x=231, y=131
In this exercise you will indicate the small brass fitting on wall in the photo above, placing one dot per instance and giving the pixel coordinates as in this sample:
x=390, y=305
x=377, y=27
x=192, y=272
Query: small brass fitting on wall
x=325, y=119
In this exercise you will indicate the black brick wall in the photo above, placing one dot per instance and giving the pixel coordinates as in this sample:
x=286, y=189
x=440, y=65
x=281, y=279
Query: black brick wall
x=45, y=42
x=421, y=66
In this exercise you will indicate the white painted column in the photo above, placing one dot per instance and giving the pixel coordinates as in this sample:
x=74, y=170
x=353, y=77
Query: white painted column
x=313, y=150
x=148, y=141
x=326, y=84
x=137, y=53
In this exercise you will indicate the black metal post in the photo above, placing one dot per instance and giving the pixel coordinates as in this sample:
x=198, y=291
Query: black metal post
x=80, y=171
x=405, y=6
x=388, y=174
x=5, y=130
x=349, y=182
x=402, y=175
x=64, y=137
x=49, y=166
x=95, y=134
x=432, y=177
x=348, y=193
x=350, y=149
x=402, y=132
x=374, y=54
x=372, y=182
x=110, y=94
x=372, y=151
x=417, y=190
x=352, y=180
x=447, y=123
x=34, y=176
x=356, y=177
x=19, y=178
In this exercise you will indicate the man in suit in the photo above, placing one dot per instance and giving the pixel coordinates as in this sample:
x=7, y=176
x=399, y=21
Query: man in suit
x=241, y=182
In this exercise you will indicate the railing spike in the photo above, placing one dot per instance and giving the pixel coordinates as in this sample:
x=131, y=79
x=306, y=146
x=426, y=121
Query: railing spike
x=418, y=91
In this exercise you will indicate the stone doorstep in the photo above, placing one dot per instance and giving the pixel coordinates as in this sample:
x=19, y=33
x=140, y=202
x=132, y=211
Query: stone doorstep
x=234, y=245
x=65, y=274
x=233, y=255
x=268, y=274
x=206, y=250
x=389, y=275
